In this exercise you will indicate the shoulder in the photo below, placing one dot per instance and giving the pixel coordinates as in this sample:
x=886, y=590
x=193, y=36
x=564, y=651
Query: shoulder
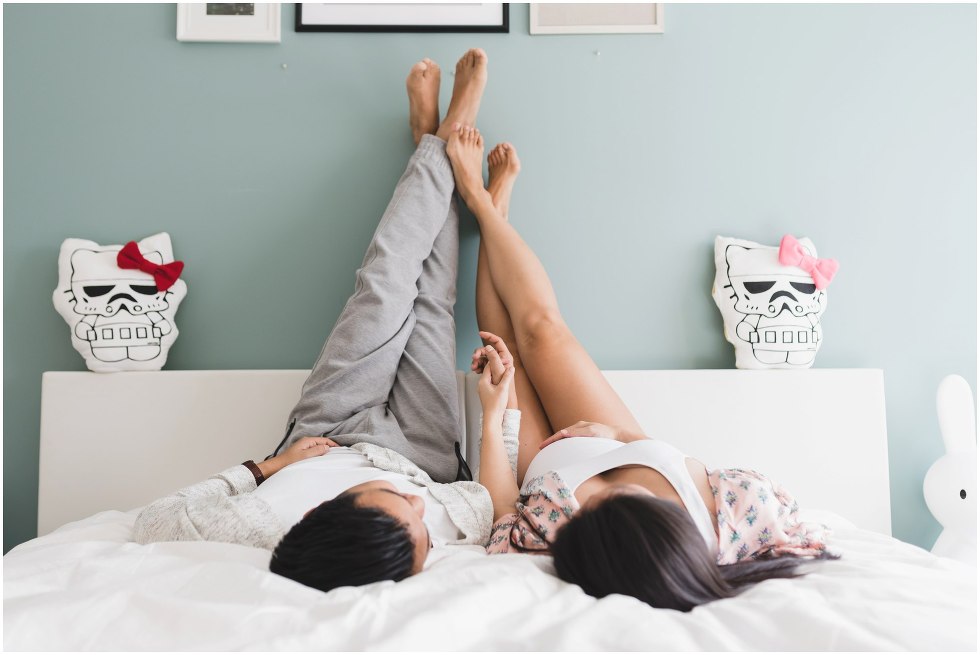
x=549, y=489
x=546, y=504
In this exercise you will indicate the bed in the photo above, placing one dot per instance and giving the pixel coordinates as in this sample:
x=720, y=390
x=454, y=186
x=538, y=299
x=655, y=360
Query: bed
x=111, y=443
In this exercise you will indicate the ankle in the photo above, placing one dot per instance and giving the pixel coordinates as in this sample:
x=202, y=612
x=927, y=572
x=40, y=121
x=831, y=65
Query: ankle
x=473, y=197
x=479, y=201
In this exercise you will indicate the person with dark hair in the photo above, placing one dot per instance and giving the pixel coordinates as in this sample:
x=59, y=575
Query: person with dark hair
x=619, y=511
x=369, y=475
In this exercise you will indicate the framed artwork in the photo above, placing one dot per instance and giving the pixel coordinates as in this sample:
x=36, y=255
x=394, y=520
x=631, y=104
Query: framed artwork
x=402, y=17
x=257, y=22
x=597, y=18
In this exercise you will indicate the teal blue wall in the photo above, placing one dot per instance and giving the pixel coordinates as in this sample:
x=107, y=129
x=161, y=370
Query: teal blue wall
x=854, y=125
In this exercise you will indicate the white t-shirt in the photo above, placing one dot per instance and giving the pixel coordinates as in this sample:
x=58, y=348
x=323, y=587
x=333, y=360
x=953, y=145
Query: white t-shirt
x=302, y=486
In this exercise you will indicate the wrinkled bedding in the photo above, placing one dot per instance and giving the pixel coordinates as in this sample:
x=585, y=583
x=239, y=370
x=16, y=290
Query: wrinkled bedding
x=86, y=586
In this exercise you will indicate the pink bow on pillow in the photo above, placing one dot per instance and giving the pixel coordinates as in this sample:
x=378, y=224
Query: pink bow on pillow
x=792, y=253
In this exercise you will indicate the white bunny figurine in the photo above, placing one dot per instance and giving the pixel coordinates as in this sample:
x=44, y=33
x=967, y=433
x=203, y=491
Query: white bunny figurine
x=950, y=485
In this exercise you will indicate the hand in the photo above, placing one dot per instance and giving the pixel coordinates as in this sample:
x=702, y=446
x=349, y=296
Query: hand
x=480, y=355
x=584, y=429
x=301, y=449
x=495, y=395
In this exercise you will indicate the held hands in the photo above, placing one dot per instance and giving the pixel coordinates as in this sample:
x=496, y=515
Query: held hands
x=480, y=359
x=301, y=449
x=584, y=429
x=494, y=395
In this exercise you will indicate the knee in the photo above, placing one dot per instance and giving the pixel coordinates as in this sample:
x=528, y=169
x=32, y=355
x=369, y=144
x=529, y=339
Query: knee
x=540, y=329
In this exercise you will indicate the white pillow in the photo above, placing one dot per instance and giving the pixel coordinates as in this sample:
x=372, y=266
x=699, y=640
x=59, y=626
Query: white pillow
x=771, y=312
x=119, y=318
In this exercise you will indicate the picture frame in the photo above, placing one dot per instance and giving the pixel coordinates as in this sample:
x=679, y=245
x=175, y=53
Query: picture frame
x=596, y=18
x=258, y=22
x=403, y=17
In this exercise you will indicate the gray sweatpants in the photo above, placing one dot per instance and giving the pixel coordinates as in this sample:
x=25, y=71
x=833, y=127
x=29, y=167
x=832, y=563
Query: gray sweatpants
x=387, y=373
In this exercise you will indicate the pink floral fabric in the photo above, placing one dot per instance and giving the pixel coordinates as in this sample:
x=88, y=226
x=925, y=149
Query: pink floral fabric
x=547, y=505
x=757, y=517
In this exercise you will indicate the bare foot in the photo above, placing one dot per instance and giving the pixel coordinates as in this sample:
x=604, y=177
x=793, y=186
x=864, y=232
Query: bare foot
x=465, y=151
x=504, y=167
x=471, y=78
x=423, y=98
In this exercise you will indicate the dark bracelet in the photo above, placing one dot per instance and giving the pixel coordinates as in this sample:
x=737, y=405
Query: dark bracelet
x=256, y=471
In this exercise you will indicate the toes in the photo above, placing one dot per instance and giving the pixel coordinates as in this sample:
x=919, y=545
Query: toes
x=429, y=68
x=472, y=58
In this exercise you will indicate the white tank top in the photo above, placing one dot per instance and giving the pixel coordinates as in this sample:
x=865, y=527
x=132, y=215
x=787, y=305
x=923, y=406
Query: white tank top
x=576, y=459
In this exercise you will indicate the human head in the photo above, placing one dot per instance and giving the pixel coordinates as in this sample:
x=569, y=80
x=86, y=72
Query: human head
x=371, y=532
x=635, y=544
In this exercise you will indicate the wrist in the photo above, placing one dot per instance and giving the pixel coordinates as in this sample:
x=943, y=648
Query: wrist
x=270, y=466
x=493, y=418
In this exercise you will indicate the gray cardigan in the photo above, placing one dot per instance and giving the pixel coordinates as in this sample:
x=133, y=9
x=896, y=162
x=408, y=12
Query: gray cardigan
x=222, y=509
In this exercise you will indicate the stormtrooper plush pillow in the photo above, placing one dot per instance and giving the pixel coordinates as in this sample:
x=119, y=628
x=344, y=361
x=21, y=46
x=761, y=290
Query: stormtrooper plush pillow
x=771, y=300
x=120, y=301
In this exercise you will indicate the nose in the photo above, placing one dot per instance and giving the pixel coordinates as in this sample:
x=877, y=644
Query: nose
x=417, y=504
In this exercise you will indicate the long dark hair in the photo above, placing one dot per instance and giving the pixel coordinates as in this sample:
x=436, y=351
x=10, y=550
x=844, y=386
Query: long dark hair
x=650, y=549
x=339, y=544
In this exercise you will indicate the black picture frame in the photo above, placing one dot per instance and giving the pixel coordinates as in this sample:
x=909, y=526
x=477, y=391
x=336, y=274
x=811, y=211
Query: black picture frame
x=504, y=26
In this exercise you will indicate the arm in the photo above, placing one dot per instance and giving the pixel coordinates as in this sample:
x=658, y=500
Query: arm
x=159, y=322
x=221, y=507
x=496, y=473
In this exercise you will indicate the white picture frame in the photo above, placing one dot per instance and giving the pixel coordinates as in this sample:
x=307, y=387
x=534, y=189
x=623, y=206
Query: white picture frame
x=596, y=18
x=402, y=17
x=229, y=22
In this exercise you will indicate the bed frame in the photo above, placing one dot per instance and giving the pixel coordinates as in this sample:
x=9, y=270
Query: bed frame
x=117, y=441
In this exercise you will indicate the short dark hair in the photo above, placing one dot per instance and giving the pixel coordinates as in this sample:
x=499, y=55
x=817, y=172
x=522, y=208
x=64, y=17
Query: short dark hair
x=339, y=544
x=650, y=549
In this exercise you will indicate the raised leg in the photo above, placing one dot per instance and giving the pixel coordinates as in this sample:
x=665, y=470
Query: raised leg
x=353, y=382
x=568, y=382
x=357, y=365
x=424, y=397
x=492, y=316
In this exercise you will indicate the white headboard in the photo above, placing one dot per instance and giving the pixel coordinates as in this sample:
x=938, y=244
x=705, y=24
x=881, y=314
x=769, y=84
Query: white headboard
x=120, y=440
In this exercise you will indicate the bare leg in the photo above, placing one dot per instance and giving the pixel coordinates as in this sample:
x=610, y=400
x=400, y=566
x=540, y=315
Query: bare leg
x=492, y=316
x=569, y=384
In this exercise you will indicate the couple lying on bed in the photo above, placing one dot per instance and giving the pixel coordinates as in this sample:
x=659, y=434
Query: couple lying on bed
x=369, y=476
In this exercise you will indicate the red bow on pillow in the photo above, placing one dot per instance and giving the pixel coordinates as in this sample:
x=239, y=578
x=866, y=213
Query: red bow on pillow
x=163, y=274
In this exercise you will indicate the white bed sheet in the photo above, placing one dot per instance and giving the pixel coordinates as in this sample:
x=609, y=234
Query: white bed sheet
x=87, y=587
